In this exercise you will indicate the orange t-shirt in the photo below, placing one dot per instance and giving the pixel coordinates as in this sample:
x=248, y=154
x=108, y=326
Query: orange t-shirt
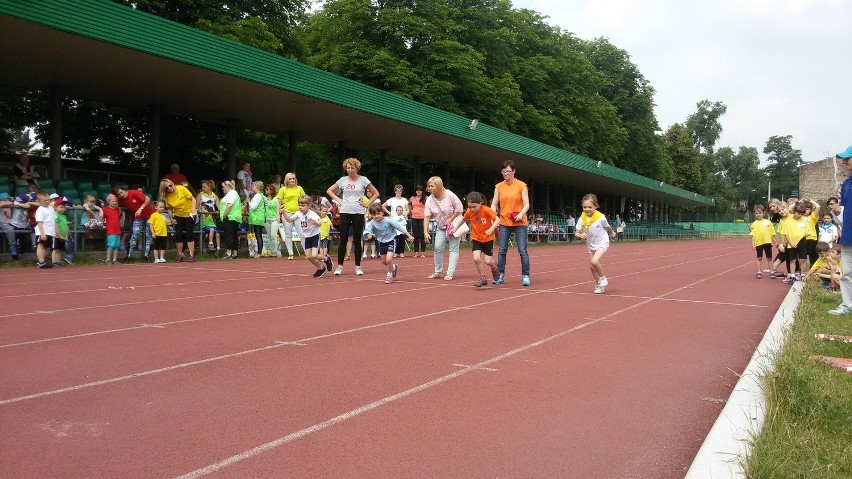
x=509, y=200
x=479, y=222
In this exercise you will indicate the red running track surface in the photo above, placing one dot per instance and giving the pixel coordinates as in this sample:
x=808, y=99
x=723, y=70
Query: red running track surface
x=252, y=368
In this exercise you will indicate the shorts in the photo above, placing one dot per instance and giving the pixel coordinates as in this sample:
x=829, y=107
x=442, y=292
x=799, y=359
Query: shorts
x=160, y=243
x=323, y=244
x=312, y=242
x=112, y=242
x=764, y=250
x=487, y=247
x=208, y=229
x=47, y=242
x=385, y=248
x=58, y=244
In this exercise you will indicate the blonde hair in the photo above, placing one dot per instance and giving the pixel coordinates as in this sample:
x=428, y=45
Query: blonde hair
x=352, y=162
x=228, y=183
x=287, y=178
x=258, y=184
x=89, y=198
x=163, y=184
x=305, y=200
x=439, y=184
x=592, y=199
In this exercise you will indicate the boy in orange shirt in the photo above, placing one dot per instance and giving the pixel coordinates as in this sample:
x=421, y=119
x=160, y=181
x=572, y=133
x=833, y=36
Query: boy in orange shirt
x=483, y=222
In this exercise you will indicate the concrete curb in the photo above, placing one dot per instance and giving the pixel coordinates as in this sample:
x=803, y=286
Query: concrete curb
x=729, y=440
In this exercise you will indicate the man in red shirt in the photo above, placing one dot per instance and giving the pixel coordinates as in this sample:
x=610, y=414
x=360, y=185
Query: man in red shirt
x=176, y=176
x=137, y=204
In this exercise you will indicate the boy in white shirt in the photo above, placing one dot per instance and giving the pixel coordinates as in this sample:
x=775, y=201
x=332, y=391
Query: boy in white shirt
x=45, y=229
x=309, y=221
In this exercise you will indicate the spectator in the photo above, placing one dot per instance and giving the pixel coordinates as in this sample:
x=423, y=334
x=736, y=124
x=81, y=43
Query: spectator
x=6, y=225
x=231, y=214
x=352, y=189
x=244, y=181
x=182, y=210
x=139, y=208
x=288, y=197
x=513, y=199
x=417, y=204
x=570, y=224
x=25, y=173
x=175, y=176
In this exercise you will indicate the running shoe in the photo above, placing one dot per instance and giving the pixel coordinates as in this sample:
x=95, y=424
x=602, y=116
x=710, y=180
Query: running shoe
x=395, y=267
x=599, y=289
x=603, y=282
x=319, y=273
x=359, y=271
x=840, y=310
x=126, y=260
x=481, y=282
x=525, y=280
x=494, y=273
x=500, y=280
x=191, y=259
x=389, y=278
x=338, y=271
x=329, y=265
x=179, y=258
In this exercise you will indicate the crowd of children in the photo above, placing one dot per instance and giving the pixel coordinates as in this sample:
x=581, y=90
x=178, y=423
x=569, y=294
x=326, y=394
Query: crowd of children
x=804, y=241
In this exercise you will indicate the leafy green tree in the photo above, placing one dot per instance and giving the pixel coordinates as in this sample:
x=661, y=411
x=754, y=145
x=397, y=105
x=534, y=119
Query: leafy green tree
x=704, y=126
x=783, y=164
x=689, y=168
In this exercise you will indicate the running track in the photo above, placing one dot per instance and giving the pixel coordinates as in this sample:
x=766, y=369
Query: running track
x=252, y=368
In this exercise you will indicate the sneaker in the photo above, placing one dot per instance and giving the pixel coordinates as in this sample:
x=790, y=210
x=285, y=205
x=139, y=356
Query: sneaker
x=389, y=278
x=338, y=271
x=373, y=256
x=68, y=261
x=525, y=280
x=402, y=255
x=179, y=258
x=44, y=265
x=798, y=276
x=329, y=265
x=364, y=256
x=319, y=273
x=772, y=275
x=758, y=275
x=500, y=280
x=494, y=273
x=789, y=280
x=359, y=271
x=481, y=282
x=290, y=258
x=599, y=289
x=145, y=259
x=191, y=259
x=58, y=263
x=840, y=310
x=603, y=282
x=395, y=267
x=125, y=260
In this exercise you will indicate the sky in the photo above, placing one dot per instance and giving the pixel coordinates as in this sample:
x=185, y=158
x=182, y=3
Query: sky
x=782, y=67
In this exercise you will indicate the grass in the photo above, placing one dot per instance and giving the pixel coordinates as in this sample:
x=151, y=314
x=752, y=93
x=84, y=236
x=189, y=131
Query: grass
x=808, y=428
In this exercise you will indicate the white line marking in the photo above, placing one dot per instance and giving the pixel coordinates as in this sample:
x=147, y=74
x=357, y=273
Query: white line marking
x=469, y=366
x=290, y=343
x=146, y=325
x=408, y=392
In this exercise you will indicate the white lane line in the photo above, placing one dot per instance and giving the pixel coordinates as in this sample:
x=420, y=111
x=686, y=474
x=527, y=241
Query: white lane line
x=469, y=366
x=204, y=318
x=209, y=469
x=277, y=344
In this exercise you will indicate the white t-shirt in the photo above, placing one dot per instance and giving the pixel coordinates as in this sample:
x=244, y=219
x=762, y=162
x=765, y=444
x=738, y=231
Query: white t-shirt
x=306, y=223
x=352, y=192
x=245, y=176
x=46, y=216
x=392, y=203
x=597, y=236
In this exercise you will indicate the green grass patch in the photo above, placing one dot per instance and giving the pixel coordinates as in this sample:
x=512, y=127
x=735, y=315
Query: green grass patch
x=808, y=428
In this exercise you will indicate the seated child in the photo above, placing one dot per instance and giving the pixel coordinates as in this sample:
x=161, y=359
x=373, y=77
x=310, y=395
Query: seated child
x=208, y=226
x=826, y=267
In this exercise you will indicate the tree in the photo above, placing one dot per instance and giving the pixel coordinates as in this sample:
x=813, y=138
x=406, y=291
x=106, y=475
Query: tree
x=690, y=173
x=704, y=126
x=784, y=162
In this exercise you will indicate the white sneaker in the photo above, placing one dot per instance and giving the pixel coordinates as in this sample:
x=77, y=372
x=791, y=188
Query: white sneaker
x=603, y=282
x=840, y=310
x=338, y=271
x=359, y=271
x=599, y=289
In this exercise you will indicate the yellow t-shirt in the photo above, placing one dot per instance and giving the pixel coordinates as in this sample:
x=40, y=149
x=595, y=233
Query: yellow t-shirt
x=812, y=222
x=762, y=232
x=158, y=221
x=180, y=200
x=325, y=227
x=796, y=229
x=289, y=198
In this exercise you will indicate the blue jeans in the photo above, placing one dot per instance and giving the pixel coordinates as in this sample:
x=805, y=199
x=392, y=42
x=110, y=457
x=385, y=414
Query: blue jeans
x=439, y=239
x=503, y=244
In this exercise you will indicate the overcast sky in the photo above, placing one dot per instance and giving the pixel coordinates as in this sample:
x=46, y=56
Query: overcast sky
x=783, y=67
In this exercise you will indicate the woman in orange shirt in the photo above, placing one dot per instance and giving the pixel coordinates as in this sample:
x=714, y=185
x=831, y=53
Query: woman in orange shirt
x=512, y=197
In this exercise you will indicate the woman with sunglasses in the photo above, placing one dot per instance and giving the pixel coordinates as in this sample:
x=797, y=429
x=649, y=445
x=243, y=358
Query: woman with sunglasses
x=512, y=196
x=183, y=210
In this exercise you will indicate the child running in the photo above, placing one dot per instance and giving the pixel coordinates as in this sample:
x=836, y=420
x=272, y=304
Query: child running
x=483, y=222
x=384, y=232
x=762, y=232
x=309, y=221
x=596, y=231
x=159, y=231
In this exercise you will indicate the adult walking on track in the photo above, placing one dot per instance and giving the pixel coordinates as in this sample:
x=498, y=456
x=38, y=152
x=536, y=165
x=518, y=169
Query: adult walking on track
x=511, y=196
x=182, y=210
x=349, y=192
x=443, y=206
x=139, y=207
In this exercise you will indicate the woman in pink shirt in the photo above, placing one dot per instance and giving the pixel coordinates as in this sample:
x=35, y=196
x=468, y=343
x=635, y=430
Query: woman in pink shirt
x=442, y=206
x=418, y=204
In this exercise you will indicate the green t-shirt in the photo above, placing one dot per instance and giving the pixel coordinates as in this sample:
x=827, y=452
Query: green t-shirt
x=61, y=225
x=207, y=220
x=272, y=208
x=236, y=213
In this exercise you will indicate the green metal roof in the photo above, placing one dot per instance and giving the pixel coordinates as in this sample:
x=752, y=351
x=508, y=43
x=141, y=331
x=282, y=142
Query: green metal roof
x=102, y=50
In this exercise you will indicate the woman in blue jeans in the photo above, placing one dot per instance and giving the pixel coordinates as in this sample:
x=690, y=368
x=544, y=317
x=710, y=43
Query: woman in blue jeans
x=443, y=206
x=512, y=197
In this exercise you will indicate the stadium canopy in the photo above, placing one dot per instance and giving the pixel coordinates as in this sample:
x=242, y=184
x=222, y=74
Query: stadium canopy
x=103, y=51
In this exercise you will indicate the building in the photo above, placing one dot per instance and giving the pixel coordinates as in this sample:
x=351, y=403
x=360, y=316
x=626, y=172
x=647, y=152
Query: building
x=821, y=179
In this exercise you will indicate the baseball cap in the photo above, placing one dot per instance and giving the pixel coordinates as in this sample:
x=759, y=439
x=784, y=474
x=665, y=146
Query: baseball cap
x=53, y=196
x=4, y=196
x=846, y=154
x=23, y=198
x=68, y=201
x=60, y=201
